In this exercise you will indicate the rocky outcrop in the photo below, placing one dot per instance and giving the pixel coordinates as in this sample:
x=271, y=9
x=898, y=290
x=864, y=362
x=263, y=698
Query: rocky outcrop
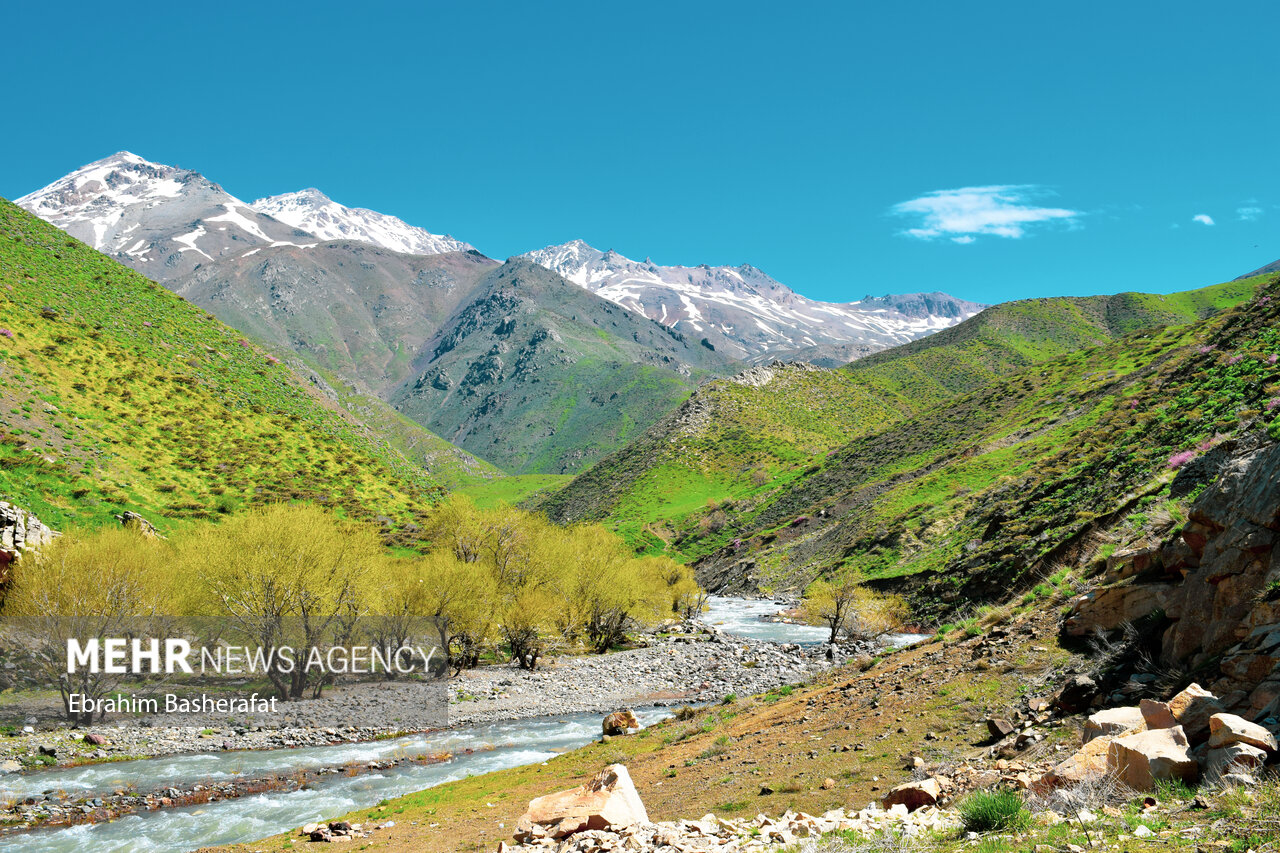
x=20, y=532
x=1216, y=582
x=609, y=800
x=1114, y=722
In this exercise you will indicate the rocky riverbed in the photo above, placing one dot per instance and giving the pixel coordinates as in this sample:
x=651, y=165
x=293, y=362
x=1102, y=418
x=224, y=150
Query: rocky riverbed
x=693, y=664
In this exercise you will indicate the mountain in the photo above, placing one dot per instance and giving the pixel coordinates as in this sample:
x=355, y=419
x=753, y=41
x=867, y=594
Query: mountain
x=116, y=395
x=750, y=316
x=315, y=213
x=735, y=444
x=357, y=311
x=540, y=376
x=161, y=220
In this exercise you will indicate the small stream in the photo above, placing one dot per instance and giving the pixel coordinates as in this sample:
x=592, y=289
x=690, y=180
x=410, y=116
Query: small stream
x=496, y=746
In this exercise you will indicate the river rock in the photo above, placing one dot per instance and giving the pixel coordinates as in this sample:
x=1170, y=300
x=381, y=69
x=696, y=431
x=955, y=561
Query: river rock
x=619, y=722
x=609, y=800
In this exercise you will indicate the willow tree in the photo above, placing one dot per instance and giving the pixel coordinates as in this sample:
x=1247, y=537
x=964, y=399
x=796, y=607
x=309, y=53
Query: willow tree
x=282, y=576
x=848, y=608
x=107, y=584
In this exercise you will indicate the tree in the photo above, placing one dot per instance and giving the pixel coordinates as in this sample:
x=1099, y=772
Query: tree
x=847, y=607
x=90, y=586
x=281, y=576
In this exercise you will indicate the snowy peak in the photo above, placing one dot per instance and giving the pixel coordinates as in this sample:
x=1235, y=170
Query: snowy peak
x=161, y=220
x=748, y=314
x=314, y=212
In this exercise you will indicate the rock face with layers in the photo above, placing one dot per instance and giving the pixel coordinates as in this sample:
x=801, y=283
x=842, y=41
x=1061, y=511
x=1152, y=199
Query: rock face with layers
x=607, y=801
x=20, y=532
x=1114, y=722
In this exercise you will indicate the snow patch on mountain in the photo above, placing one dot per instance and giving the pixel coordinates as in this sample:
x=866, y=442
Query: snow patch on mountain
x=314, y=212
x=749, y=314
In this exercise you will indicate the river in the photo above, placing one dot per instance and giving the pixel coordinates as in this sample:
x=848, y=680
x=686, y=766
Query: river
x=496, y=746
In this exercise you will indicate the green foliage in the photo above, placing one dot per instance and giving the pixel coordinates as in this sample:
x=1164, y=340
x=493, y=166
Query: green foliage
x=993, y=811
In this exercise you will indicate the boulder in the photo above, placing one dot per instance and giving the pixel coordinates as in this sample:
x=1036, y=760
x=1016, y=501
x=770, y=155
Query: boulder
x=619, y=722
x=1088, y=764
x=1114, y=721
x=1076, y=694
x=1143, y=758
x=1156, y=715
x=914, y=795
x=607, y=801
x=95, y=739
x=1234, y=758
x=999, y=728
x=1192, y=708
x=1226, y=729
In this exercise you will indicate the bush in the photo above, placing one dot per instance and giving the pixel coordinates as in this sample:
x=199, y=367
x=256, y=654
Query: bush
x=990, y=811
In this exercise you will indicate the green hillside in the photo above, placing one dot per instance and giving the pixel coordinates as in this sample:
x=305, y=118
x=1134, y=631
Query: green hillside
x=119, y=395
x=978, y=495
x=733, y=445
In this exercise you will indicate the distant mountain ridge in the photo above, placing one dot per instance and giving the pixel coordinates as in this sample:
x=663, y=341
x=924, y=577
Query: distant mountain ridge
x=749, y=315
x=316, y=213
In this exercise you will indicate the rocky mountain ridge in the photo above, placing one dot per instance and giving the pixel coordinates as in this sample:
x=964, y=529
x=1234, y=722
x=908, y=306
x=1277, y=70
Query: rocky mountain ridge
x=749, y=315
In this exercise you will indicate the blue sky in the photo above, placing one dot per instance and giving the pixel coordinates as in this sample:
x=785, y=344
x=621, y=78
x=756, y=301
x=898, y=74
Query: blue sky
x=990, y=150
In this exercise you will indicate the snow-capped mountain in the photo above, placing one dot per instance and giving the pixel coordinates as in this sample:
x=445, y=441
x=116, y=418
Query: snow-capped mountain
x=749, y=315
x=160, y=220
x=316, y=213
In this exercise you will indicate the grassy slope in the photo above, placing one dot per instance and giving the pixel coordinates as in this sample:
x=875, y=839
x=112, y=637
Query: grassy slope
x=119, y=395
x=657, y=490
x=978, y=495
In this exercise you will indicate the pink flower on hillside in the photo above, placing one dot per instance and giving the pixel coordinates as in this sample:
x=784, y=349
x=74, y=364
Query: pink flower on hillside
x=1205, y=350
x=6, y=333
x=1273, y=358
x=1235, y=359
x=1177, y=460
x=147, y=323
x=1272, y=405
x=271, y=359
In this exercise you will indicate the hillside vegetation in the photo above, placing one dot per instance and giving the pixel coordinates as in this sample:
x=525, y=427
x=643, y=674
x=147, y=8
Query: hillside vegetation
x=737, y=443
x=986, y=492
x=119, y=395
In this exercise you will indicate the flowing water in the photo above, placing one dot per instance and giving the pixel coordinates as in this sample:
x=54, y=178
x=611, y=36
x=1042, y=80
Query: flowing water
x=496, y=746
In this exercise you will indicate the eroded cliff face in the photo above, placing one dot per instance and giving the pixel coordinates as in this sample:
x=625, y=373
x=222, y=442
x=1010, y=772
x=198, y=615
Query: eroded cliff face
x=1216, y=582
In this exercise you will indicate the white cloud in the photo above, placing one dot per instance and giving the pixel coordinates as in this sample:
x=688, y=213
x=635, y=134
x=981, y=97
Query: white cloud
x=1248, y=214
x=963, y=215
x=1203, y=219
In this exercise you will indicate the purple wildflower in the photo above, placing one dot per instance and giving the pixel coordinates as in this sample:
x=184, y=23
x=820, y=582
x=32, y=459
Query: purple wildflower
x=1177, y=460
x=1272, y=405
x=1235, y=359
x=1205, y=350
x=147, y=323
x=1273, y=358
x=6, y=333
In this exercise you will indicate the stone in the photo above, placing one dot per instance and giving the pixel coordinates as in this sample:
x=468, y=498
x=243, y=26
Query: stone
x=1076, y=694
x=828, y=783
x=1225, y=729
x=95, y=739
x=1142, y=831
x=608, y=800
x=913, y=795
x=10, y=766
x=1114, y=721
x=999, y=728
x=1234, y=757
x=1156, y=715
x=1143, y=758
x=1192, y=708
x=619, y=722
x=1088, y=764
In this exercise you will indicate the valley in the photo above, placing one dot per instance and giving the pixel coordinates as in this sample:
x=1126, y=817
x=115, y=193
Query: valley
x=1027, y=550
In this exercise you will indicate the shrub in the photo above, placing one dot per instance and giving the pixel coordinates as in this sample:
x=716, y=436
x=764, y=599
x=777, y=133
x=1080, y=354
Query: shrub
x=990, y=811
